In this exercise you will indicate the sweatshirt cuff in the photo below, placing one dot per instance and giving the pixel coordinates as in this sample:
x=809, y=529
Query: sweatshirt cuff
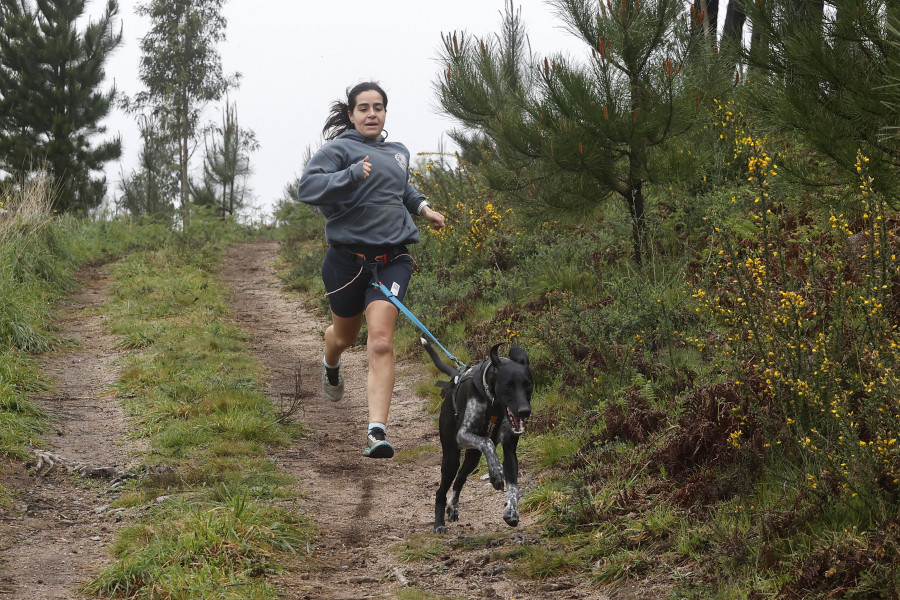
x=357, y=174
x=422, y=206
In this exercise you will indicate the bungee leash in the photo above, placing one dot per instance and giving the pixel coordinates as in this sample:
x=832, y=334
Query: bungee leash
x=376, y=282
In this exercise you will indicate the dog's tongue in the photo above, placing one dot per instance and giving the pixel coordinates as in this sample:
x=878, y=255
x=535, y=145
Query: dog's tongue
x=518, y=425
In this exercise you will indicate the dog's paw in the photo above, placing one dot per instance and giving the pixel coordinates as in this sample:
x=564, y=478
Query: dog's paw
x=511, y=516
x=452, y=514
x=442, y=529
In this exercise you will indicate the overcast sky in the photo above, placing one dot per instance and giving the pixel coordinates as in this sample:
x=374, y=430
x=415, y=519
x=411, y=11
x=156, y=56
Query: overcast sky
x=297, y=57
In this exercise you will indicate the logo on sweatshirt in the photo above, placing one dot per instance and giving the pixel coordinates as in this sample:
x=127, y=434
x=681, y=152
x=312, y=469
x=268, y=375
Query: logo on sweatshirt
x=401, y=160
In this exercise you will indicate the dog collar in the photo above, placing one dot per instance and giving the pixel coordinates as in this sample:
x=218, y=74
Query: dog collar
x=487, y=390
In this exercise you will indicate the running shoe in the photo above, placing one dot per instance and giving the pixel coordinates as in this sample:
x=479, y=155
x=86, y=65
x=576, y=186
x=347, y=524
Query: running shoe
x=332, y=383
x=377, y=446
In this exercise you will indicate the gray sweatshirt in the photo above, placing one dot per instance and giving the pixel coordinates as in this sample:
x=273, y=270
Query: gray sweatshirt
x=373, y=211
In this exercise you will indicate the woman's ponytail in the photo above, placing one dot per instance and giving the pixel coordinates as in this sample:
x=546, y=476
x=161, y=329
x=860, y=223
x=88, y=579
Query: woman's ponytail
x=338, y=120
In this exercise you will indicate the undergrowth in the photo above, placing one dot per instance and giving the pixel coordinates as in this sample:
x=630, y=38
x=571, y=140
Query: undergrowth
x=722, y=421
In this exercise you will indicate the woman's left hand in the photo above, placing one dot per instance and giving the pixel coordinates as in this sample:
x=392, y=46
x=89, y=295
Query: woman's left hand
x=434, y=217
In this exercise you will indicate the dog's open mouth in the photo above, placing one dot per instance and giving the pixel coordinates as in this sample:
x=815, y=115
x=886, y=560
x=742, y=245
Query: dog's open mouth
x=517, y=423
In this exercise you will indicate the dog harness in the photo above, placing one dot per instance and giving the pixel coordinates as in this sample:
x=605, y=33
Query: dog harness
x=478, y=374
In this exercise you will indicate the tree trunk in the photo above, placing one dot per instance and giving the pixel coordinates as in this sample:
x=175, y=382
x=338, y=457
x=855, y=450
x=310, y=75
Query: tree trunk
x=733, y=30
x=634, y=198
x=184, y=156
x=183, y=175
x=710, y=8
x=759, y=46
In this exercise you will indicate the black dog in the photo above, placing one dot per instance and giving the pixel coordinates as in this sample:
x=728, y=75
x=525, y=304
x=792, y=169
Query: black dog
x=486, y=404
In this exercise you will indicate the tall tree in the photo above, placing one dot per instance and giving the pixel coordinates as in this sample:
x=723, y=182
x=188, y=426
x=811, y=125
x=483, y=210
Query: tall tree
x=51, y=105
x=226, y=166
x=182, y=71
x=733, y=27
x=572, y=133
x=708, y=12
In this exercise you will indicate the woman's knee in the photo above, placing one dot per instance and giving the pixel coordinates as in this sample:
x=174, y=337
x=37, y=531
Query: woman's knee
x=380, y=343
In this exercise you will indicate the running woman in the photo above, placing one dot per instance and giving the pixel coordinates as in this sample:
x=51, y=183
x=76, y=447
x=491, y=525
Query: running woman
x=360, y=182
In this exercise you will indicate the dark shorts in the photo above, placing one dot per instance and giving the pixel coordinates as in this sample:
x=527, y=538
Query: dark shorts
x=348, y=283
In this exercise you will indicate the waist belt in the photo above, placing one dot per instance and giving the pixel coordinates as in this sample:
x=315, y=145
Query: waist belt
x=367, y=255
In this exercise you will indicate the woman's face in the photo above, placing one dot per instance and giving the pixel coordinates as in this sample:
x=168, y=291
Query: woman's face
x=368, y=114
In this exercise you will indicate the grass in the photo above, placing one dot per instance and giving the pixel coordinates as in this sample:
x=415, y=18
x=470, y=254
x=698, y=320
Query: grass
x=192, y=388
x=418, y=453
x=475, y=542
x=222, y=547
x=542, y=561
x=418, y=548
x=552, y=450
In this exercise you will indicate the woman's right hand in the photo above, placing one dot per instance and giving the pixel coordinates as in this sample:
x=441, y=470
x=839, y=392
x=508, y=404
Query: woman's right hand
x=367, y=167
x=434, y=217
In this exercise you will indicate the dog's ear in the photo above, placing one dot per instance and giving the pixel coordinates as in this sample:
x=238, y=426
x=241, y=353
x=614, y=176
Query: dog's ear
x=495, y=356
x=518, y=354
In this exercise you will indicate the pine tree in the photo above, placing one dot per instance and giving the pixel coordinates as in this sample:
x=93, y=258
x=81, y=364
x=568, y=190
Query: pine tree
x=151, y=189
x=19, y=74
x=571, y=134
x=182, y=71
x=226, y=166
x=827, y=75
x=50, y=104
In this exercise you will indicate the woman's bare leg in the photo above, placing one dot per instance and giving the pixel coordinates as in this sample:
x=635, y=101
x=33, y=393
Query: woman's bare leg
x=340, y=335
x=381, y=317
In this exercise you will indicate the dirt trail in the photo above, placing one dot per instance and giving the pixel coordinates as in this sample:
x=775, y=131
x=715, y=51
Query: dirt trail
x=363, y=506
x=56, y=533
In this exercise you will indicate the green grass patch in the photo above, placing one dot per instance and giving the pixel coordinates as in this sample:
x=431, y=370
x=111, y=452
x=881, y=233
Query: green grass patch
x=421, y=547
x=541, y=560
x=476, y=542
x=552, y=450
x=192, y=388
x=21, y=421
x=410, y=455
x=221, y=547
x=624, y=565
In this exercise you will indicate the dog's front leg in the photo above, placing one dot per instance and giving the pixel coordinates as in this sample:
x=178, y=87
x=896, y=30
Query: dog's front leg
x=473, y=420
x=511, y=473
x=486, y=447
